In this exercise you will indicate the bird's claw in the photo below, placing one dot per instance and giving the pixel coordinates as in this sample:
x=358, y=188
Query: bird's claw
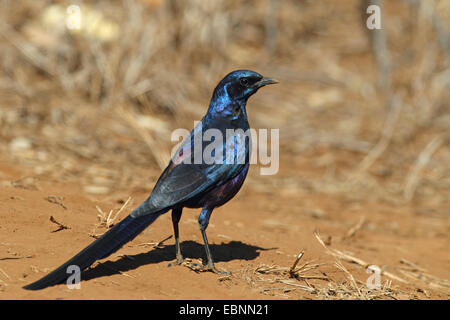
x=215, y=270
x=205, y=268
x=178, y=261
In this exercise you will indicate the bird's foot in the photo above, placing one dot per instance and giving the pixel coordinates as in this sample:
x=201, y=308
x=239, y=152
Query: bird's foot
x=178, y=261
x=212, y=268
x=205, y=268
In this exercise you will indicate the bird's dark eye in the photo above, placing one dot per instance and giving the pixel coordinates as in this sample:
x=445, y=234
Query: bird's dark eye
x=244, y=82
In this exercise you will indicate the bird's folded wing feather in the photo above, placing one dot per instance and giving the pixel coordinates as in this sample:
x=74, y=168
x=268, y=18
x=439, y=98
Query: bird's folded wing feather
x=183, y=180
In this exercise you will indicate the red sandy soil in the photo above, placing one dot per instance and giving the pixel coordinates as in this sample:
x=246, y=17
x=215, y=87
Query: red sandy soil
x=251, y=236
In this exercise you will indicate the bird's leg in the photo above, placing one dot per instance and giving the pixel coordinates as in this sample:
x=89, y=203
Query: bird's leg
x=176, y=216
x=203, y=221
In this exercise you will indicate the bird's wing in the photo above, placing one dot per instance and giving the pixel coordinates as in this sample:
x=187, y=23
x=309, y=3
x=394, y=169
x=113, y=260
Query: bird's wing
x=183, y=180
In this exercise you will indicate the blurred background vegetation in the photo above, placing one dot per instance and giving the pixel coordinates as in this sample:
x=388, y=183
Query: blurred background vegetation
x=362, y=114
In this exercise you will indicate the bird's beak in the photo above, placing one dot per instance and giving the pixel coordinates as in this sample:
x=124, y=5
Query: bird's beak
x=265, y=81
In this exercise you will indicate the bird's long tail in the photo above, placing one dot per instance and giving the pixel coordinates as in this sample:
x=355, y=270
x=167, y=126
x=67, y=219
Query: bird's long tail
x=107, y=244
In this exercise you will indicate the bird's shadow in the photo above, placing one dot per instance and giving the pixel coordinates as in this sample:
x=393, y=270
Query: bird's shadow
x=233, y=250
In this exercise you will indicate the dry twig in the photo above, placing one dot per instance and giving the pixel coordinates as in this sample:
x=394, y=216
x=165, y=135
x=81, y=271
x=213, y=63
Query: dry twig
x=347, y=257
x=413, y=179
x=60, y=225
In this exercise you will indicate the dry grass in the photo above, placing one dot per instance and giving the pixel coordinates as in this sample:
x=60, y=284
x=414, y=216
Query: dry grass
x=324, y=280
x=311, y=281
x=155, y=69
x=108, y=220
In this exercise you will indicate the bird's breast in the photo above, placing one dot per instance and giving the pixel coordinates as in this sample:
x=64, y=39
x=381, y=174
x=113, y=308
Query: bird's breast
x=237, y=146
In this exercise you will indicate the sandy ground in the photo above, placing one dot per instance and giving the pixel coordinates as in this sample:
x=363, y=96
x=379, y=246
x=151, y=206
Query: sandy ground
x=256, y=236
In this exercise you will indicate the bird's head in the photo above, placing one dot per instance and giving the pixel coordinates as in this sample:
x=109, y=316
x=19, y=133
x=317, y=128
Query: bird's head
x=235, y=89
x=241, y=84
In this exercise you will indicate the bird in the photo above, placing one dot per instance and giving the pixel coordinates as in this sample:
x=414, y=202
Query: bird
x=190, y=180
